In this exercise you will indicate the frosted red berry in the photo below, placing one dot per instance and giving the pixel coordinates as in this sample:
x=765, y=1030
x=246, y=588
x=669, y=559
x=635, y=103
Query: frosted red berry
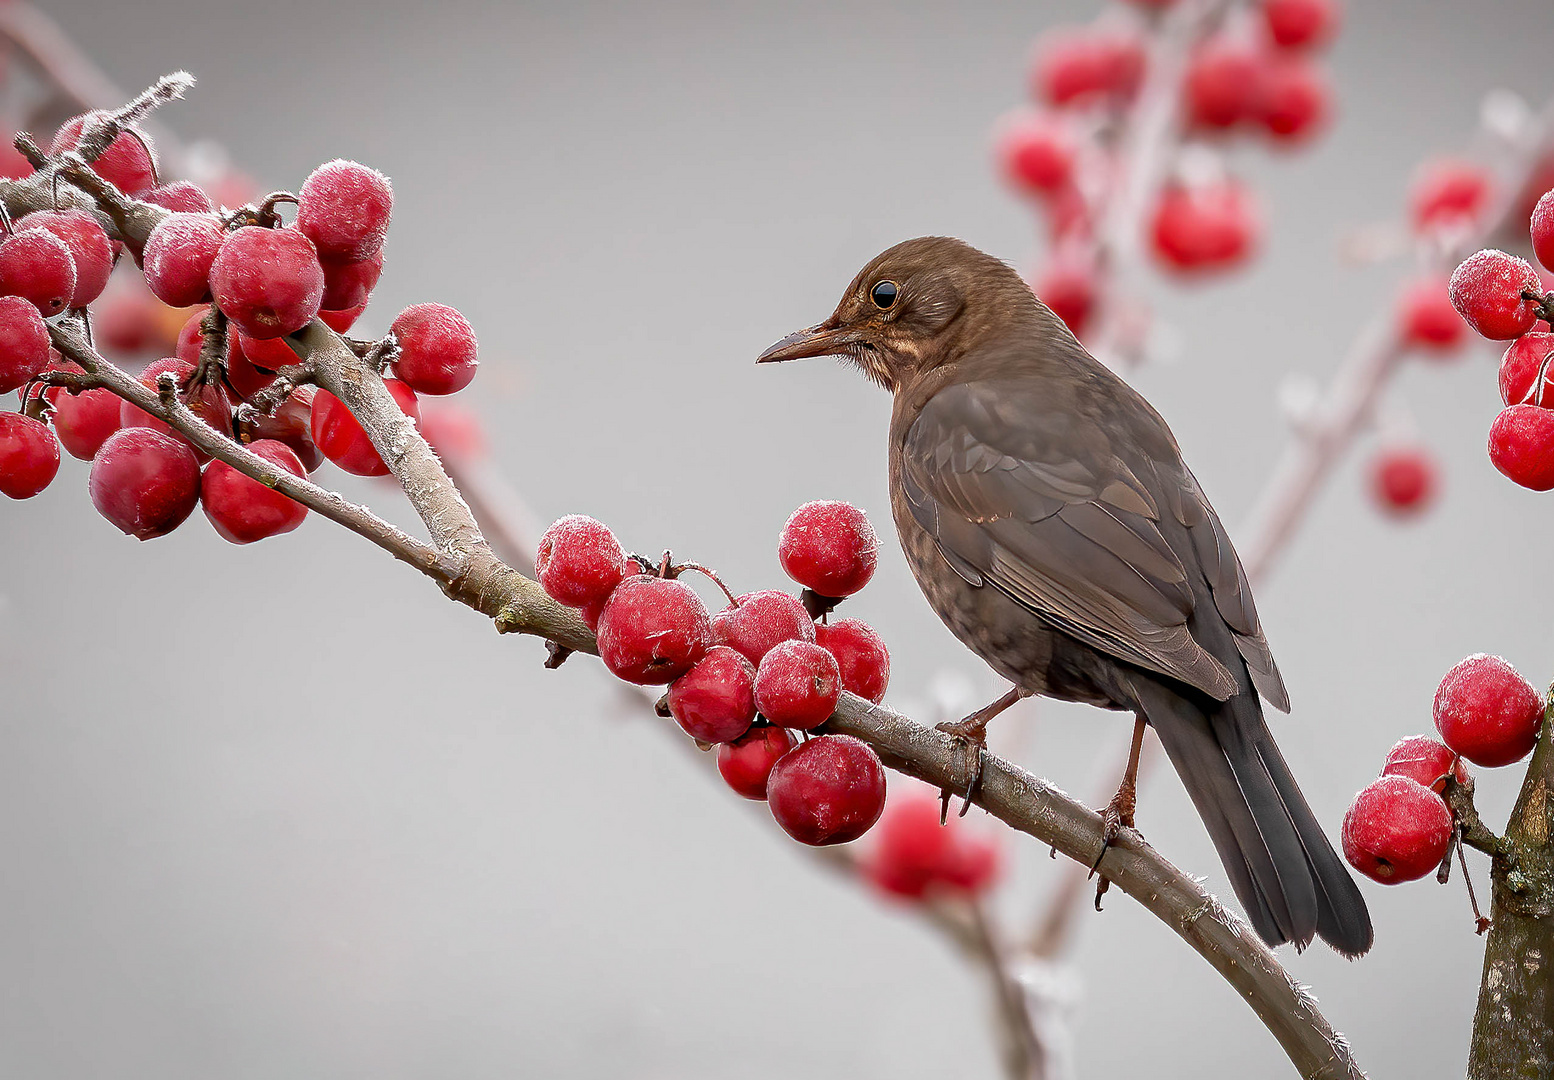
x=1087, y=65
x=715, y=700
x=797, y=685
x=829, y=547
x=1396, y=830
x=1448, y=194
x=758, y=621
x=36, y=265
x=1523, y=359
x=344, y=208
x=1493, y=291
x=1521, y=446
x=1220, y=85
x=1426, y=318
x=1488, y=713
x=90, y=250
x=1427, y=760
x=181, y=196
x=1203, y=228
x=178, y=257
x=145, y=482
x=267, y=281
x=1293, y=100
x=291, y=423
x=1035, y=153
x=579, y=560
x=84, y=421
x=1404, y=479
x=24, y=343
x=862, y=659
x=436, y=349
x=29, y=456
x=1542, y=228
x=342, y=440
x=652, y=630
x=746, y=763
x=1300, y=24
x=349, y=284
x=1068, y=286
x=828, y=791
x=128, y=163
x=242, y=509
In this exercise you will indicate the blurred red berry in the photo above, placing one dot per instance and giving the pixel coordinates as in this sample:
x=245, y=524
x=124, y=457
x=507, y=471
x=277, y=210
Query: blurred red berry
x=747, y=762
x=913, y=855
x=268, y=282
x=24, y=343
x=37, y=266
x=1300, y=24
x=652, y=630
x=145, y=482
x=1087, y=64
x=128, y=322
x=178, y=256
x=128, y=163
x=1448, y=193
x=1519, y=367
x=758, y=621
x=829, y=547
x=1426, y=760
x=1426, y=318
x=436, y=349
x=797, y=685
x=87, y=242
x=1293, y=100
x=1221, y=83
x=1489, y=290
x=1404, y=479
x=1485, y=711
x=715, y=700
x=341, y=438
x=29, y=456
x=1035, y=152
x=344, y=208
x=1396, y=830
x=244, y=510
x=349, y=284
x=828, y=791
x=13, y=166
x=579, y=560
x=1068, y=286
x=181, y=197
x=454, y=431
x=861, y=656
x=1204, y=227
x=1521, y=445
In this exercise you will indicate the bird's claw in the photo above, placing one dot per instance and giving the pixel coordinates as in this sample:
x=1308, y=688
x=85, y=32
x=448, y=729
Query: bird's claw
x=1117, y=816
x=971, y=735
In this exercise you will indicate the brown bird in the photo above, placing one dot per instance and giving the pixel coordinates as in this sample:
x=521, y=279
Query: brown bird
x=1048, y=517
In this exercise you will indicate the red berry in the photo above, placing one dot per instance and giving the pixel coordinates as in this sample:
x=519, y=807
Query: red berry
x=1396, y=830
x=797, y=685
x=145, y=482
x=128, y=163
x=348, y=284
x=344, y=208
x=829, y=547
x=913, y=855
x=291, y=423
x=436, y=349
x=1426, y=318
x=1068, y=286
x=84, y=421
x=1293, y=101
x=36, y=265
x=1541, y=225
x=758, y=621
x=1425, y=760
x=652, y=630
x=1487, y=290
x=715, y=700
x=1087, y=64
x=24, y=343
x=1035, y=152
x=1487, y=712
x=208, y=402
x=29, y=456
x=13, y=166
x=1521, y=446
x=246, y=379
x=244, y=510
x=579, y=560
x=341, y=321
x=1300, y=24
x=1448, y=194
x=861, y=656
x=267, y=281
x=1204, y=228
x=90, y=251
x=746, y=763
x=191, y=336
x=1519, y=367
x=1221, y=83
x=828, y=791
x=341, y=438
x=1404, y=479
x=128, y=321
x=178, y=257
x=181, y=197
x=454, y=432
x=266, y=354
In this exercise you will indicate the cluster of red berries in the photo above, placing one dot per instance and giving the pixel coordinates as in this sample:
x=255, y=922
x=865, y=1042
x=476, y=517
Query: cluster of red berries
x=1399, y=827
x=1254, y=72
x=268, y=280
x=748, y=677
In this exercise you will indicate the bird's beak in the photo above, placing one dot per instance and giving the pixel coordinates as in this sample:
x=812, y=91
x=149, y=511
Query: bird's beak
x=827, y=339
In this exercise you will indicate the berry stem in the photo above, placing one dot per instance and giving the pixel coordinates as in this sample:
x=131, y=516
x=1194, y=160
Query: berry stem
x=675, y=571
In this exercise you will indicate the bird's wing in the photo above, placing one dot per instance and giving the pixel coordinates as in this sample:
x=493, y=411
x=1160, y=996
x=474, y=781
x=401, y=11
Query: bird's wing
x=1038, y=500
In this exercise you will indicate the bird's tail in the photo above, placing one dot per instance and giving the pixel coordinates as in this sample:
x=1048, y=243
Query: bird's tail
x=1286, y=874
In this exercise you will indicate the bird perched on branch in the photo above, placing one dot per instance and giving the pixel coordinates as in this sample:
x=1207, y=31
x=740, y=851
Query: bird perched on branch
x=1049, y=519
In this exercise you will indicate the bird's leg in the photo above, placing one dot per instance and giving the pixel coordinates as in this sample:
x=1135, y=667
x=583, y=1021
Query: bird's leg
x=971, y=733
x=1119, y=812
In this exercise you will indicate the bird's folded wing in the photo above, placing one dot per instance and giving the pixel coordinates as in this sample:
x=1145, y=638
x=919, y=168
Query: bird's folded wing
x=1032, y=498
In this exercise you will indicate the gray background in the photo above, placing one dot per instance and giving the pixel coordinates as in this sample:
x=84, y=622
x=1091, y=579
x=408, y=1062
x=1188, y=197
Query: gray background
x=283, y=810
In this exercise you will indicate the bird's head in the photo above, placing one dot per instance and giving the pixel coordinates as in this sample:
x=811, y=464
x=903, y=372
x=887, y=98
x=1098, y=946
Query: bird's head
x=915, y=307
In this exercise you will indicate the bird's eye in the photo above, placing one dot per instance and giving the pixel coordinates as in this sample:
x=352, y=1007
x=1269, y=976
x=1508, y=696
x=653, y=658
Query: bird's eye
x=884, y=295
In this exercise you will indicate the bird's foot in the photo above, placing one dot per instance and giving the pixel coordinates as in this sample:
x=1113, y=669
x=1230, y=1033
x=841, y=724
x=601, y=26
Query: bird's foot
x=1117, y=815
x=970, y=735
